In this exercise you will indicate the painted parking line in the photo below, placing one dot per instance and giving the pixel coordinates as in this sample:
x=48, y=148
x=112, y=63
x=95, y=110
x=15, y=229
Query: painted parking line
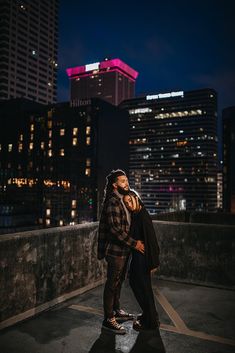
x=180, y=326
x=87, y=309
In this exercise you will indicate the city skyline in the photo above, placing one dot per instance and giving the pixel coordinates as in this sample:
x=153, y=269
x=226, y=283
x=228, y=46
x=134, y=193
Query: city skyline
x=173, y=47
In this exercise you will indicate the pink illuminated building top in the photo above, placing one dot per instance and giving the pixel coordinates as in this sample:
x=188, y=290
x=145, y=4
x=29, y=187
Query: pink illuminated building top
x=103, y=66
x=110, y=80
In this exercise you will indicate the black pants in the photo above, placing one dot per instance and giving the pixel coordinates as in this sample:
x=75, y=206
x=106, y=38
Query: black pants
x=116, y=272
x=140, y=282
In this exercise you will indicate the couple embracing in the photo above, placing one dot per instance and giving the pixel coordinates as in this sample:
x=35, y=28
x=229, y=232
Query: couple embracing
x=127, y=241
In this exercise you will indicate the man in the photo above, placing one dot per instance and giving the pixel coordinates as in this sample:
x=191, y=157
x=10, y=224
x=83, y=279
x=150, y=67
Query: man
x=115, y=244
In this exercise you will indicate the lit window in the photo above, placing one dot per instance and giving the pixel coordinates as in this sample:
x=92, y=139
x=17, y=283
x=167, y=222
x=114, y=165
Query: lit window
x=49, y=84
x=49, y=143
x=48, y=221
x=62, y=152
x=42, y=145
x=49, y=124
x=50, y=133
x=31, y=127
x=62, y=131
x=74, y=203
x=31, y=146
x=88, y=172
x=75, y=141
x=88, y=130
x=88, y=140
x=61, y=222
x=50, y=153
x=48, y=211
x=34, y=53
x=10, y=147
x=73, y=213
x=21, y=137
x=75, y=131
x=88, y=162
x=20, y=148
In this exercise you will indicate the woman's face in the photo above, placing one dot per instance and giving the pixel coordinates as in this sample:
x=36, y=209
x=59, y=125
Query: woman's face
x=128, y=202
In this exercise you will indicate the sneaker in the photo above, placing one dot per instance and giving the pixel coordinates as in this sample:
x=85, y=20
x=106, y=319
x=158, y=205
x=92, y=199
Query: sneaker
x=113, y=326
x=123, y=315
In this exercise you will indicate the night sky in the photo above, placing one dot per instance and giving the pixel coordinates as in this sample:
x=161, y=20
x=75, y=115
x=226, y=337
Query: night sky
x=174, y=45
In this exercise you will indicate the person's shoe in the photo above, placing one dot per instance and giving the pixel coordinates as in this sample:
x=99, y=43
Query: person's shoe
x=123, y=315
x=113, y=326
x=137, y=326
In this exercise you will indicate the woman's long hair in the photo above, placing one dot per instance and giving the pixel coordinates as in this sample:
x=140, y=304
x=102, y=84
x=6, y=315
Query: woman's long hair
x=110, y=179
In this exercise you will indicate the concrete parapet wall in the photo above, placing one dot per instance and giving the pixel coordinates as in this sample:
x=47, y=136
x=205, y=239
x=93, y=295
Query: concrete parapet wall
x=199, y=253
x=44, y=267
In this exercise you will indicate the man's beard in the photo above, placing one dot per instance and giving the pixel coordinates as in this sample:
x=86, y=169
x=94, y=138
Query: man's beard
x=122, y=191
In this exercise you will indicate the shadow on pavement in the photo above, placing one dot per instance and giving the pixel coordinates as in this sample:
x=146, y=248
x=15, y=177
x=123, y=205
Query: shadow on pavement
x=146, y=341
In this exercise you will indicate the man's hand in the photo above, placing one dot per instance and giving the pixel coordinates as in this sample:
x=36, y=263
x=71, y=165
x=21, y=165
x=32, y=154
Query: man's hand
x=140, y=246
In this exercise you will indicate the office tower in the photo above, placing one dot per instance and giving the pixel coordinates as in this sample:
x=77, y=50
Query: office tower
x=228, y=117
x=173, y=150
x=28, y=49
x=111, y=80
x=54, y=160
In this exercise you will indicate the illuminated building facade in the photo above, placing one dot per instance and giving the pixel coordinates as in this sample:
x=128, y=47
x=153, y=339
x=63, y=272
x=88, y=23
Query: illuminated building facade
x=228, y=117
x=173, y=150
x=110, y=80
x=28, y=50
x=54, y=159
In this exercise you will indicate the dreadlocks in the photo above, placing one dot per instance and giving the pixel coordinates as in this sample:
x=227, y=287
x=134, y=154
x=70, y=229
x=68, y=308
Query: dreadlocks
x=110, y=179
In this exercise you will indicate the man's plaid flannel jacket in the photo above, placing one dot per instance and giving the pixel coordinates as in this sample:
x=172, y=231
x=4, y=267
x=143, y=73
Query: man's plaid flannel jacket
x=113, y=232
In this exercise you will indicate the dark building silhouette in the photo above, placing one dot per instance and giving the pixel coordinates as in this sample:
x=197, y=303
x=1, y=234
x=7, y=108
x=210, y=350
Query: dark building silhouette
x=173, y=150
x=28, y=50
x=54, y=159
x=228, y=117
x=111, y=80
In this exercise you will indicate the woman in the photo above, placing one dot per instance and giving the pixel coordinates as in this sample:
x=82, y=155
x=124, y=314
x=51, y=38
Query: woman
x=142, y=265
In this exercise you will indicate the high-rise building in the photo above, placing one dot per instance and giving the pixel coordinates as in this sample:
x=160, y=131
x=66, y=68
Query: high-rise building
x=111, y=80
x=28, y=49
x=54, y=160
x=173, y=150
x=228, y=117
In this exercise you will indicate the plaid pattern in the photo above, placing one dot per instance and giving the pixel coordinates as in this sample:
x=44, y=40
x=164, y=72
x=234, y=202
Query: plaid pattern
x=113, y=232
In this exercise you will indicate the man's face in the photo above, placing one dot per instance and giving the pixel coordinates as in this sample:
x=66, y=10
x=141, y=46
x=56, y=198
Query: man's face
x=122, y=185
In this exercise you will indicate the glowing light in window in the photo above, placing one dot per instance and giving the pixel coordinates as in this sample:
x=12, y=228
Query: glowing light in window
x=87, y=171
x=75, y=141
x=140, y=111
x=75, y=131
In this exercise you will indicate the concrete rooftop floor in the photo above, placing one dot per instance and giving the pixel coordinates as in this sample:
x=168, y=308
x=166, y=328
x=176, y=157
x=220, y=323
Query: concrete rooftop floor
x=194, y=319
